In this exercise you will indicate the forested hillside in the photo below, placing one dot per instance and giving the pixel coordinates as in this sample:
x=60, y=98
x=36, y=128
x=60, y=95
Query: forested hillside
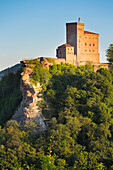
x=79, y=110
x=10, y=95
x=12, y=69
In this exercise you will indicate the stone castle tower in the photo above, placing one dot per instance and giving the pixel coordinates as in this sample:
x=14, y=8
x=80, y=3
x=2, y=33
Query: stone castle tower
x=81, y=45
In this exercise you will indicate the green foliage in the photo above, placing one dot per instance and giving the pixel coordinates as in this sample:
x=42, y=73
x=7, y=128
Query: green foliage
x=10, y=95
x=40, y=74
x=109, y=53
x=80, y=128
x=51, y=60
x=81, y=101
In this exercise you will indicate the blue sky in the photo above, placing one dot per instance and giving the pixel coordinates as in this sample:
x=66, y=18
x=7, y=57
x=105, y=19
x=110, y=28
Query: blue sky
x=31, y=28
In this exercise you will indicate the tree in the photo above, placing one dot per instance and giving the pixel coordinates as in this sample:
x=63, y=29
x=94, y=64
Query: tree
x=109, y=53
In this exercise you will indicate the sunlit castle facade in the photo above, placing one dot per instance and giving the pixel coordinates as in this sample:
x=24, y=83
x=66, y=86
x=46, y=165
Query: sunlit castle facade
x=81, y=46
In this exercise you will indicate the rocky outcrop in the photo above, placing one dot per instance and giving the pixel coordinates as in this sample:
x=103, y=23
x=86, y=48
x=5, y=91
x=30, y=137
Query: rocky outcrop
x=29, y=109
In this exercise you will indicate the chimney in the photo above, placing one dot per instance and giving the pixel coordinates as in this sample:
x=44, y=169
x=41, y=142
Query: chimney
x=79, y=19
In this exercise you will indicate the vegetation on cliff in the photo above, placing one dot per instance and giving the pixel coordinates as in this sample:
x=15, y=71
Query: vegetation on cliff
x=40, y=74
x=80, y=126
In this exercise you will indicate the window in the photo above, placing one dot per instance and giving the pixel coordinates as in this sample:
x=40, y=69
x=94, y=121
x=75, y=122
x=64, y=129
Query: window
x=89, y=50
x=89, y=44
x=93, y=44
x=85, y=50
x=68, y=48
x=85, y=37
x=85, y=44
x=93, y=50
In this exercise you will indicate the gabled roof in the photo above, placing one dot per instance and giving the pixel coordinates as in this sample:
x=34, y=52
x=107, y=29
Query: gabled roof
x=88, y=32
x=66, y=45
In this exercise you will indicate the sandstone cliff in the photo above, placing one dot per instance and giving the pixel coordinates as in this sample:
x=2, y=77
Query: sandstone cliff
x=29, y=110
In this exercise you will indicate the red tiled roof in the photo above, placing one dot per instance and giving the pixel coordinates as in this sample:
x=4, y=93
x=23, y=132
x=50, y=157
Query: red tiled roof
x=66, y=45
x=87, y=32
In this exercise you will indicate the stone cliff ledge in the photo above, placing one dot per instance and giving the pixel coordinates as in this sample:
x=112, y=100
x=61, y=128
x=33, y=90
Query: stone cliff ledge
x=29, y=110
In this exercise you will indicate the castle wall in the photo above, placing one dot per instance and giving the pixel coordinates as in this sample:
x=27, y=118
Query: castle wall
x=60, y=61
x=61, y=52
x=84, y=42
x=91, y=43
x=103, y=65
x=70, y=57
x=80, y=41
x=71, y=35
x=90, y=49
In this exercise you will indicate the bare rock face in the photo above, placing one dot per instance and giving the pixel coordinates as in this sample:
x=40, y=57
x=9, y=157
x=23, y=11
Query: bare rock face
x=29, y=110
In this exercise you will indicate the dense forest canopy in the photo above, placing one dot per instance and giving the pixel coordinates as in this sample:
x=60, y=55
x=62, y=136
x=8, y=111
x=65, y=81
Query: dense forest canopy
x=10, y=95
x=109, y=53
x=80, y=127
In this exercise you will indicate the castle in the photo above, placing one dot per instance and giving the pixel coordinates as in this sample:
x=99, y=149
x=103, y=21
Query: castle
x=81, y=46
